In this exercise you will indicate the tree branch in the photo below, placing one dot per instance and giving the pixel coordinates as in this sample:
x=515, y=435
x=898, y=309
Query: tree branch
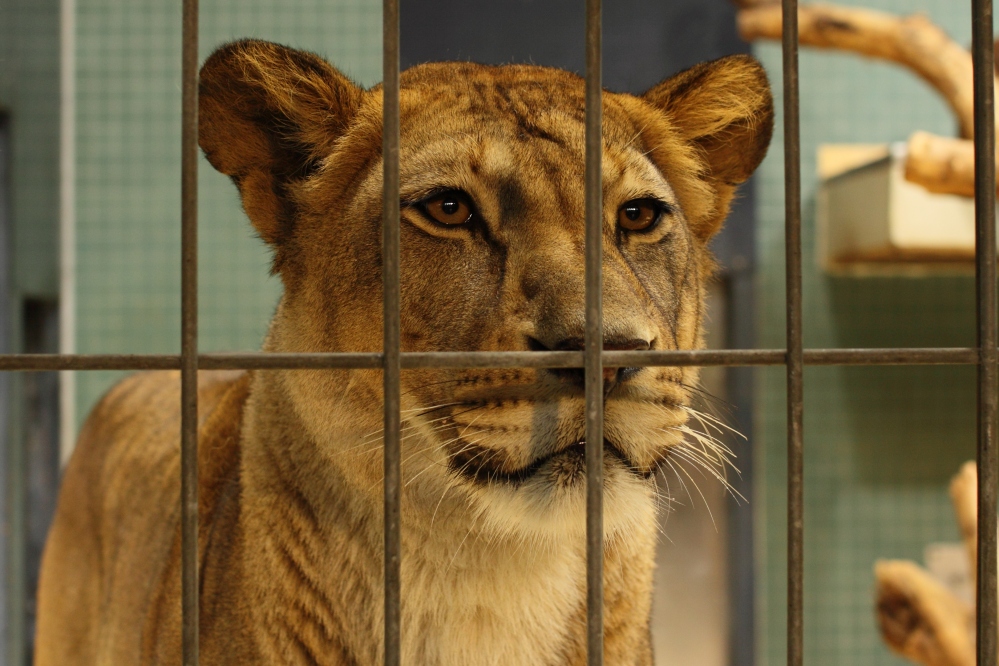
x=920, y=619
x=911, y=41
x=964, y=497
x=937, y=163
x=940, y=164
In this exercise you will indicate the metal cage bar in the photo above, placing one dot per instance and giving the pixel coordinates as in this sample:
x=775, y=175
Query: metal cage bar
x=982, y=48
x=594, y=341
x=391, y=327
x=189, y=334
x=555, y=359
x=795, y=355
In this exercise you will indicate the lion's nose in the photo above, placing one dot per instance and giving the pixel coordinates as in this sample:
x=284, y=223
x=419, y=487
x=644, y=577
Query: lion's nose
x=611, y=375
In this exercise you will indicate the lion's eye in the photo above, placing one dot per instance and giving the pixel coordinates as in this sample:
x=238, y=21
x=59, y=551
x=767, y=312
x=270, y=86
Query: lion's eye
x=450, y=208
x=640, y=214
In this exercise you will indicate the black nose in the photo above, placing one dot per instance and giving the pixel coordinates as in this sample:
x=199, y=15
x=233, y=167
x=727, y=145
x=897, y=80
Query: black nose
x=574, y=376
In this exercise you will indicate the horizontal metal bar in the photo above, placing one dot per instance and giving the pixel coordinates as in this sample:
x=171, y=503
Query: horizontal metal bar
x=414, y=360
x=284, y=361
x=45, y=362
x=893, y=356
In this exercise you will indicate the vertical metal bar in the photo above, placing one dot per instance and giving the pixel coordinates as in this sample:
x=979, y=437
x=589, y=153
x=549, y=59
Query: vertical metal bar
x=593, y=367
x=390, y=261
x=67, y=223
x=795, y=389
x=985, y=283
x=11, y=447
x=189, y=332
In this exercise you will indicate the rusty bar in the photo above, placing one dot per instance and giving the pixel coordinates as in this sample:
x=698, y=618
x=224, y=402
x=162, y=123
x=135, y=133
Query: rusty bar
x=795, y=356
x=593, y=363
x=558, y=359
x=286, y=361
x=985, y=286
x=391, y=325
x=47, y=362
x=896, y=356
x=189, y=333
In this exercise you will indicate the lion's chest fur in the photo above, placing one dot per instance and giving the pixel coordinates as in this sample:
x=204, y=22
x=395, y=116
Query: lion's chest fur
x=469, y=597
x=468, y=611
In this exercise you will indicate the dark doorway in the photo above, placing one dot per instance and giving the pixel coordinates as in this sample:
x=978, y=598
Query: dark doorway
x=29, y=438
x=40, y=396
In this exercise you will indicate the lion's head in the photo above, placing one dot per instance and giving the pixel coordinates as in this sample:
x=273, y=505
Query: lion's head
x=492, y=162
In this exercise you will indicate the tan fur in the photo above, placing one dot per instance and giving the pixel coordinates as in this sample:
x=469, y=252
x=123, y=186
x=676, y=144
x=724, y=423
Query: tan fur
x=493, y=495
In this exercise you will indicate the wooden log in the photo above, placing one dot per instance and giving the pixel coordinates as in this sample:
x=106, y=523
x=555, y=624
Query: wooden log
x=941, y=164
x=911, y=41
x=920, y=619
x=964, y=496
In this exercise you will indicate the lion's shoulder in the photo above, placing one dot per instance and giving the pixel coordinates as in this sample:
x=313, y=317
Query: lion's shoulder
x=115, y=534
x=127, y=460
x=137, y=423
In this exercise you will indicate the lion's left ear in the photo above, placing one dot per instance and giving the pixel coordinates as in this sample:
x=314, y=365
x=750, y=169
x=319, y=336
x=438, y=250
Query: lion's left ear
x=268, y=115
x=725, y=108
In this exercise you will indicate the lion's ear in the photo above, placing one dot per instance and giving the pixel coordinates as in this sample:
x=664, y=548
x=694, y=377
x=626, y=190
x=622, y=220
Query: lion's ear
x=725, y=108
x=267, y=115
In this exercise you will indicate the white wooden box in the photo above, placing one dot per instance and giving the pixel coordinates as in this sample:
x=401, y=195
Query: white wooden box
x=871, y=220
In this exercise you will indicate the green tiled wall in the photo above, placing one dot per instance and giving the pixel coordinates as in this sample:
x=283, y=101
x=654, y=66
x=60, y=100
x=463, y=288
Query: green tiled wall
x=880, y=443
x=128, y=143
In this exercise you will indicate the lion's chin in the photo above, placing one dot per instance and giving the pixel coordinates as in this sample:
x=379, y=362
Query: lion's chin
x=551, y=503
x=563, y=468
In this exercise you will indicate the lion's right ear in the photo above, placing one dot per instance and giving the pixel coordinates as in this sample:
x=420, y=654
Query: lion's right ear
x=267, y=115
x=724, y=107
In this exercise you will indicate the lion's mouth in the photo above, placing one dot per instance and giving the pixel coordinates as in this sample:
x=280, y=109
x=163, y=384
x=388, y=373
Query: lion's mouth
x=480, y=464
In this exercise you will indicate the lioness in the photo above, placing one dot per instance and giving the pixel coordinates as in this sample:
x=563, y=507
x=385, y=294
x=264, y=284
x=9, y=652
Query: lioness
x=493, y=497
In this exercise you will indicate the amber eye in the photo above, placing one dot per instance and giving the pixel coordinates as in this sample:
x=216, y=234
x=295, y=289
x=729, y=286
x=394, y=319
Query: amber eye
x=640, y=214
x=450, y=208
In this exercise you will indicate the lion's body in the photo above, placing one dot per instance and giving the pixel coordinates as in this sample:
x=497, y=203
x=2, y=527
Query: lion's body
x=118, y=535
x=290, y=535
x=115, y=542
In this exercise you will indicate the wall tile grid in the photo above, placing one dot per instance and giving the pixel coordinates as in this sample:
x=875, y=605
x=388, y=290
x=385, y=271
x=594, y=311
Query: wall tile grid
x=128, y=119
x=880, y=442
